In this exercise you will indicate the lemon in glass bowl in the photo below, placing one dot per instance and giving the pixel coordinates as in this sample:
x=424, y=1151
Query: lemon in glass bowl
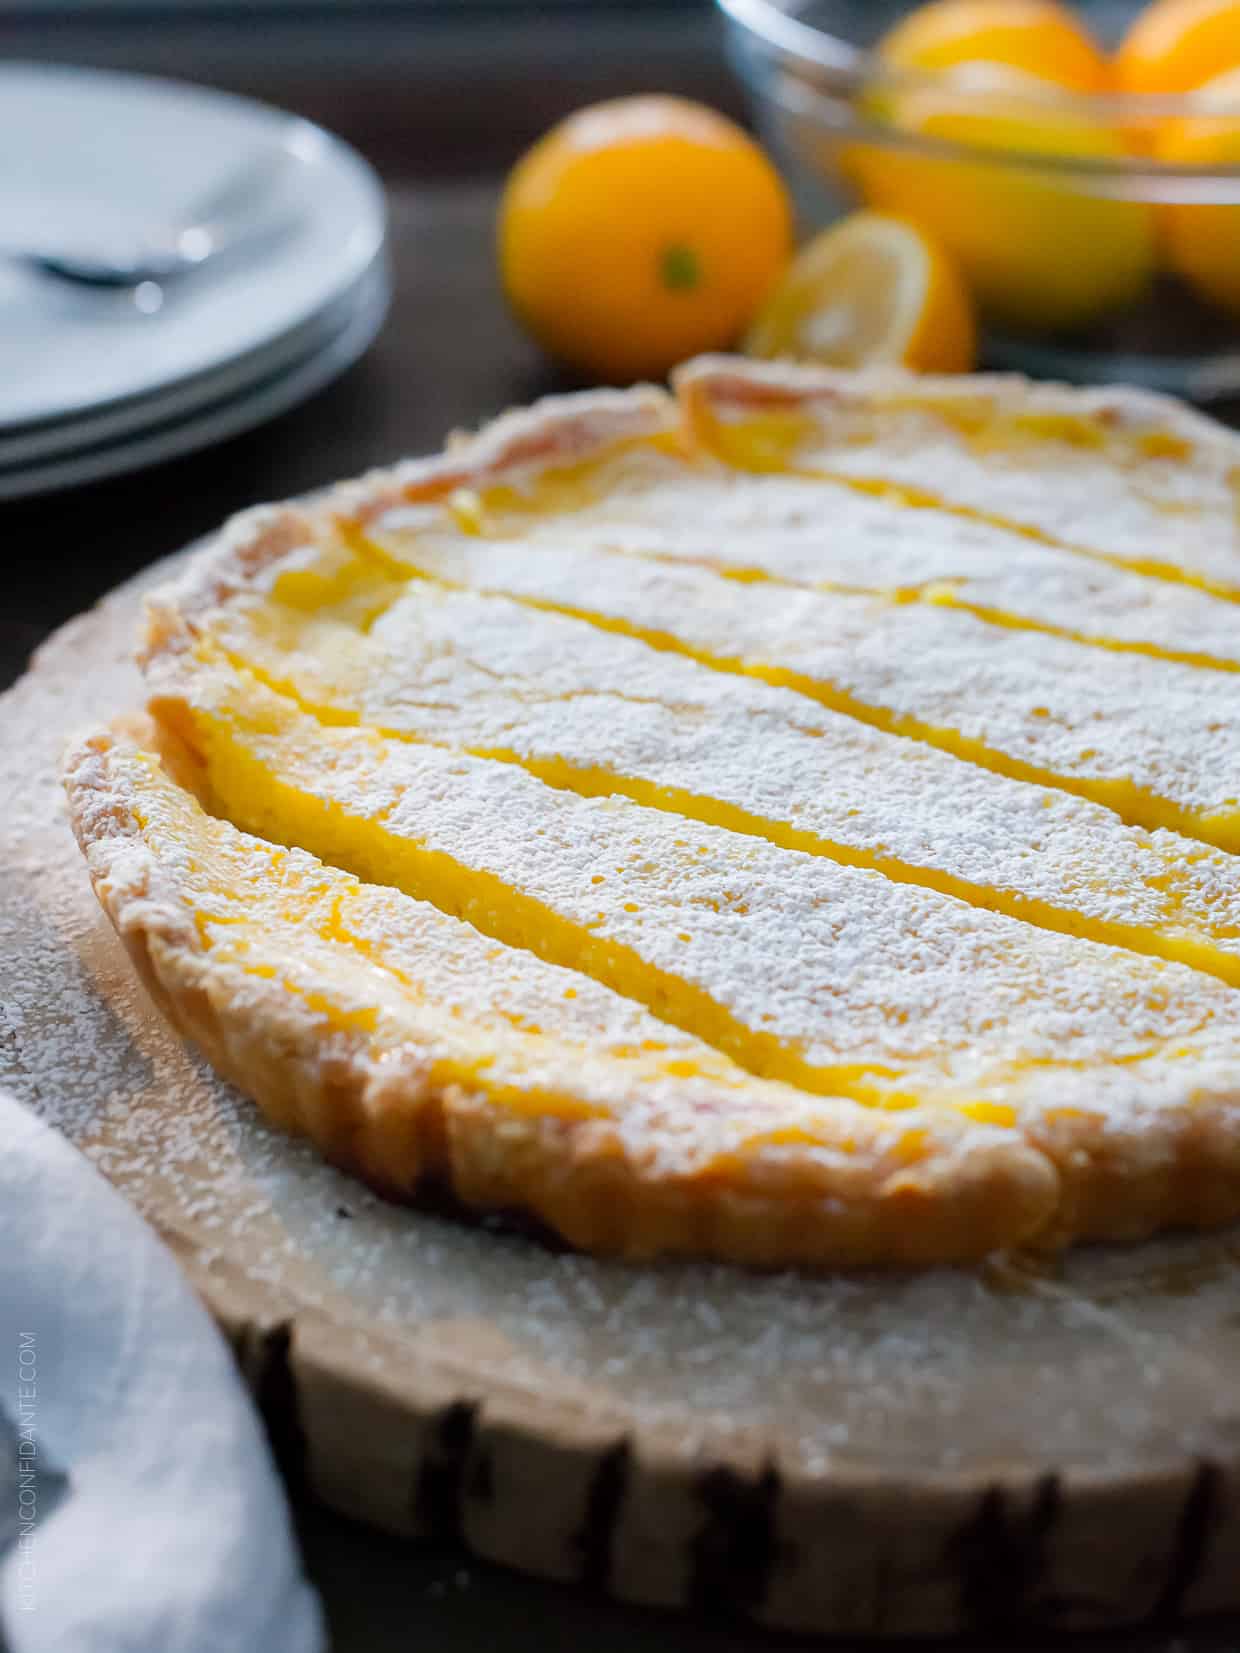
x=990, y=139
x=1201, y=240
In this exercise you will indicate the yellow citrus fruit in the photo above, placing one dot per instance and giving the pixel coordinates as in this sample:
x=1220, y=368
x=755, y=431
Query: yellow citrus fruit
x=871, y=289
x=1202, y=242
x=1038, y=250
x=639, y=232
x=1178, y=45
x=1037, y=37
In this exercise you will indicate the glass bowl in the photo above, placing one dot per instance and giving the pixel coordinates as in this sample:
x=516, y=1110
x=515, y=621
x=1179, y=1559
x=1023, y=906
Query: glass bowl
x=1091, y=257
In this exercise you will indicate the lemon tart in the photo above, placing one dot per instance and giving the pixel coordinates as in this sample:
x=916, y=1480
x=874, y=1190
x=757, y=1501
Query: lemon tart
x=794, y=820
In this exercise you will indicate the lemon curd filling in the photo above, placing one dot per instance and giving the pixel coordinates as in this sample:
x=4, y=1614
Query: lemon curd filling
x=1030, y=712
x=275, y=915
x=751, y=762
x=676, y=923
x=448, y=602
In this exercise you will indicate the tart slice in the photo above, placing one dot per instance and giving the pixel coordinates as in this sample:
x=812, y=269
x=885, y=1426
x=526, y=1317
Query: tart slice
x=674, y=820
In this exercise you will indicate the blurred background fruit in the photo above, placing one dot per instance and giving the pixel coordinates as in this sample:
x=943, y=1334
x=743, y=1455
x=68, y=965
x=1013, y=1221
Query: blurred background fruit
x=1178, y=45
x=639, y=232
x=1203, y=242
x=1011, y=183
x=999, y=129
x=1037, y=37
x=1000, y=65
x=870, y=290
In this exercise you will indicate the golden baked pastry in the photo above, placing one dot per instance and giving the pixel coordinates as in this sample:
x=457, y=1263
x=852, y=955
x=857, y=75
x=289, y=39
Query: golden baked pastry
x=794, y=821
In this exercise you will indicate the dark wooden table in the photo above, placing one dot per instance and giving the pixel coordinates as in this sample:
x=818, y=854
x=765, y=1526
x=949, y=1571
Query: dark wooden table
x=442, y=108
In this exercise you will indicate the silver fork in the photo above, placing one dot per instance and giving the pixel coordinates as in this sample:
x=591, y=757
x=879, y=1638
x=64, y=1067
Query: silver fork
x=223, y=220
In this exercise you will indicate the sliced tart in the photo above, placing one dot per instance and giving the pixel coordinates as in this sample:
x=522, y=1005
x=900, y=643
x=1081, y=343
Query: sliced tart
x=794, y=821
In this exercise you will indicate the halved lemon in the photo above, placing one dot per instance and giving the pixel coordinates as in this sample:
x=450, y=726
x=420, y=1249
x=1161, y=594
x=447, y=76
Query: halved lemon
x=872, y=289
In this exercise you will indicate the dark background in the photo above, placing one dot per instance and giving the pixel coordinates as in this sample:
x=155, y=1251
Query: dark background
x=441, y=96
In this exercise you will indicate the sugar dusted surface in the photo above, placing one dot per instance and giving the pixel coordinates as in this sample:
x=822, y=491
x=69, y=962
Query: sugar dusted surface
x=1127, y=475
x=1181, y=516
x=1081, y=712
x=434, y=983
x=1125, y=1361
x=818, y=533
x=481, y=672
x=841, y=965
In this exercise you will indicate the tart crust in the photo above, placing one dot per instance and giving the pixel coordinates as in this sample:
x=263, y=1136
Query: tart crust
x=704, y=1156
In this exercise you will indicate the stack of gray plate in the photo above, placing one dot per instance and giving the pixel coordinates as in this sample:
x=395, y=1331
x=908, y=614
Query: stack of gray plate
x=97, y=380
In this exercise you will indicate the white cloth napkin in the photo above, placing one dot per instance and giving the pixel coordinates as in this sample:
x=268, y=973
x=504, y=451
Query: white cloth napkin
x=148, y=1517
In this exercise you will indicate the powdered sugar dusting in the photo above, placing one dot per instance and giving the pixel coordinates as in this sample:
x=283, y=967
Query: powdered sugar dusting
x=1086, y=714
x=484, y=673
x=1124, y=474
x=845, y=969
x=823, y=534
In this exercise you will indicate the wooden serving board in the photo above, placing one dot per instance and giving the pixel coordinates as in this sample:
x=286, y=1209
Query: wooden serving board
x=863, y=1453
